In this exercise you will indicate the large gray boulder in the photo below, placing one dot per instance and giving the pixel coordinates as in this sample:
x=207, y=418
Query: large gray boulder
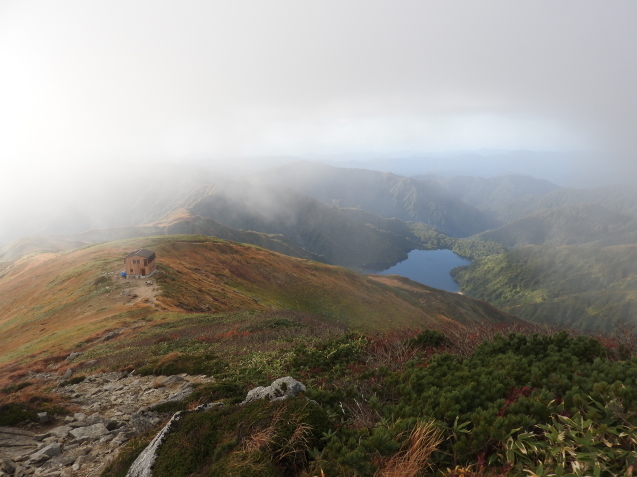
x=44, y=454
x=60, y=432
x=90, y=432
x=280, y=389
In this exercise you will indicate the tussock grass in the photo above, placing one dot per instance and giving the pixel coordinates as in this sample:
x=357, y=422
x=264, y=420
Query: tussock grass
x=414, y=458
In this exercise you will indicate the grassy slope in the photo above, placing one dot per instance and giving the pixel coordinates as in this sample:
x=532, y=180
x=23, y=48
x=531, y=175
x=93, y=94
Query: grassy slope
x=620, y=199
x=51, y=302
x=580, y=286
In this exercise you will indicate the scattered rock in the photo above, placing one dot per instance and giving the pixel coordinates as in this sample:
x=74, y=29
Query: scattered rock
x=68, y=374
x=15, y=443
x=43, y=417
x=73, y=355
x=109, y=336
x=60, y=432
x=88, y=364
x=170, y=380
x=7, y=466
x=44, y=454
x=208, y=406
x=280, y=389
x=89, y=432
x=114, y=408
x=144, y=420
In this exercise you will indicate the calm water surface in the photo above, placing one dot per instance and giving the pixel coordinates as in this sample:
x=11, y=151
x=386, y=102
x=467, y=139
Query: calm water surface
x=430, y=267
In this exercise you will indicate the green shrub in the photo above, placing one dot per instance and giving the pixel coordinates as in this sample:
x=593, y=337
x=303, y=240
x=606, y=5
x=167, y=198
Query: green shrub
x=15, y=388
x=428, y=338
x=75, y=380
x=274, y=324
x=14, y=413
x=177, y=363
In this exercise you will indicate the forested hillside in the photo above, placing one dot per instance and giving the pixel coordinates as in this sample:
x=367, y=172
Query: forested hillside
x=565, y=225
x=583, y=287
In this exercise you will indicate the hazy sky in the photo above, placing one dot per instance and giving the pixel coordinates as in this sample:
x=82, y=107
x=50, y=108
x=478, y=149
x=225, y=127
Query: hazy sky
x=88, y=80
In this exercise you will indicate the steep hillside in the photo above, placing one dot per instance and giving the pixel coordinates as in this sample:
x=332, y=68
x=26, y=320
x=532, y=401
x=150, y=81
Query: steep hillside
x=621, y=199
x=179, y=222
x=491, y=194
x=52, y=302
x=584, y=287
x=311, y=225
x=566, y=225
x=383, y=194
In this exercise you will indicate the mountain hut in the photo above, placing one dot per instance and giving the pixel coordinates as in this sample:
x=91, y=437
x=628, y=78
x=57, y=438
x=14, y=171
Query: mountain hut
x=140, y=263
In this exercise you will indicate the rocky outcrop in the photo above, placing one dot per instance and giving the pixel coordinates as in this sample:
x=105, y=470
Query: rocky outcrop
x=280, y=389
x=142, y=467
x=114, y=407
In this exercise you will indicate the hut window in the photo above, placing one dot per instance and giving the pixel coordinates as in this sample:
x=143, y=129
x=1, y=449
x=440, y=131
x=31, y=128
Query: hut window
x=145, y=262
x=131, y=270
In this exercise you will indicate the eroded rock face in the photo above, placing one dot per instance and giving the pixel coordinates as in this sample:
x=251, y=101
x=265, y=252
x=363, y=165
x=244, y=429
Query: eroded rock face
x=280, y=389
x=114, y=407
x=142, y=467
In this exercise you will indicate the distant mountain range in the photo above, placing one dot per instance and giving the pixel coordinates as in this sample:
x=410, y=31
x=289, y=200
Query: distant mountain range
x=383, y=194
x=565, y=225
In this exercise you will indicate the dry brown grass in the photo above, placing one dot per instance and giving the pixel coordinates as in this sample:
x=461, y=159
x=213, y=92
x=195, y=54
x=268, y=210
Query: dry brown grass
x=262, y=439
x=414, y=458
x=362, y=416
x=473, y=471
x=392, y=350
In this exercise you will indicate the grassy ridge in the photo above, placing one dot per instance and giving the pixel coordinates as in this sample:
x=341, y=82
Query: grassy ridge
x=51, y=302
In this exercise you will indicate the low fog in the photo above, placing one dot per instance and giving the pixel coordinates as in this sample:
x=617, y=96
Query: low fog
x=104, y=103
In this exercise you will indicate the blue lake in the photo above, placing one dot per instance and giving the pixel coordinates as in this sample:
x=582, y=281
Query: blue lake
x=430, y=267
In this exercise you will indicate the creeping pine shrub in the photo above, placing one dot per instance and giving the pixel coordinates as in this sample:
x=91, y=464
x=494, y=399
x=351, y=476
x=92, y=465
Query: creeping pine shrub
x=15, y=388
x=13, y=413
x=429, y=338
x=177, y=363
x=258, y=439
x=75, y=380
x=509, y=386
x=331, y=354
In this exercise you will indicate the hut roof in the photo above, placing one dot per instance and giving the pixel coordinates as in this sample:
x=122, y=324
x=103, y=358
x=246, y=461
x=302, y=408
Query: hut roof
x=142, y=252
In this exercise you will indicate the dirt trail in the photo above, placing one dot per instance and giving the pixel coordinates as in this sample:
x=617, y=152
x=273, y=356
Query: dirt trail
x=136, y=290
